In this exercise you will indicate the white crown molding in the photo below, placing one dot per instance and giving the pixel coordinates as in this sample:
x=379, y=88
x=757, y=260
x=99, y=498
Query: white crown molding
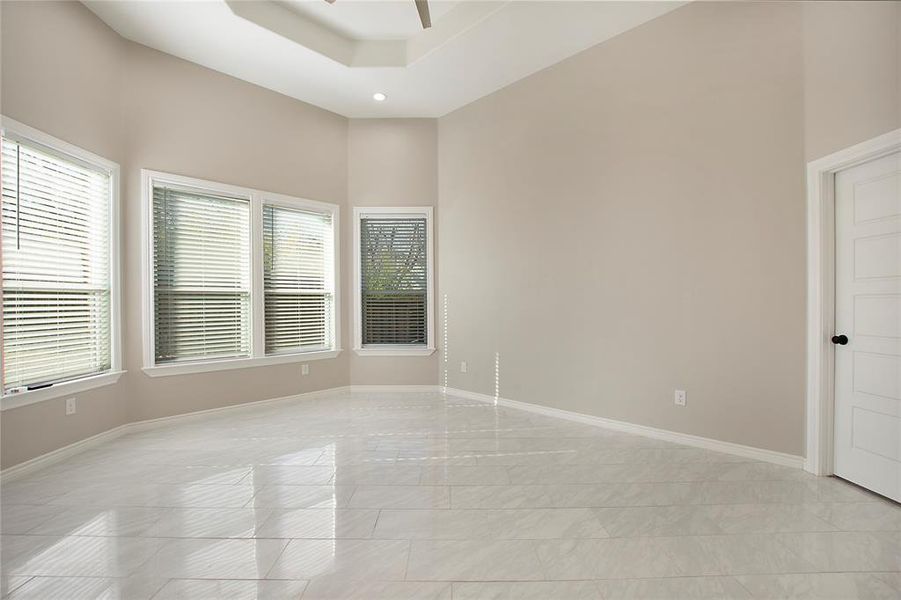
x=695, y=441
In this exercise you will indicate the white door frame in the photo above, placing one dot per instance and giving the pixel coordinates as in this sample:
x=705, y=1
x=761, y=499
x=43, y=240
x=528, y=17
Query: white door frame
x=821, y=292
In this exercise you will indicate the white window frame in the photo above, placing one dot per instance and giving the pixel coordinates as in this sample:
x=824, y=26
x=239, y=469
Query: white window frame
x=392, y=349
x=14, y=130
x=257, y=199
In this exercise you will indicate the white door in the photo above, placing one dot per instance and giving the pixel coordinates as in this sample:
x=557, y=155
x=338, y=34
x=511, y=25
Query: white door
x=868, y=312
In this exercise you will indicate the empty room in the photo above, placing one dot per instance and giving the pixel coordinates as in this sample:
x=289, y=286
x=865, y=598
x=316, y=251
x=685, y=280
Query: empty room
x=450, y=300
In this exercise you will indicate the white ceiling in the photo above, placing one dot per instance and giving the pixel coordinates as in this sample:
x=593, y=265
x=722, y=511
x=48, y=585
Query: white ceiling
x=337, y=55
x=369, y=19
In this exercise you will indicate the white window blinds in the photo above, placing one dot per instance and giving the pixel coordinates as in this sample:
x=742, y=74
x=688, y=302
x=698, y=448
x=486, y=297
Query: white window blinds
x=394, y=280
x=298, y=279
x=201, y=275
x=56, y=267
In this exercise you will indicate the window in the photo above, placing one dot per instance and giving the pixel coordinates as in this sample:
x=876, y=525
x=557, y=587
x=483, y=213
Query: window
x=60, y=300
x=236, y=277
x=393, y=263
x=298, y=278
x=201, y=275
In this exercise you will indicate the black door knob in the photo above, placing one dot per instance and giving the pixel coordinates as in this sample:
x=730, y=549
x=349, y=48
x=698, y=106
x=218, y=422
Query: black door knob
x=841, y=340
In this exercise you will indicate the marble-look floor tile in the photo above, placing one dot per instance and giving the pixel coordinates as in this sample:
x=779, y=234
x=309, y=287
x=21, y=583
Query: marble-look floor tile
x=336, y=588
x=10, y=584
x=670, y=588
x=527, y=590
x=261, y=475
x=319, y=523
x=473, y=560
x=658, y=521
x=627, y=558
x=22, y=518
x=377, y=475
x=520, y=524
x=501, y=496
x=79, y=556
x=422, y=495
x=754, y=553
x=111, y=521
x=620, y=495
x=348, y=559
x=846, y=551
x=860, y=516
x=762, y=518
x=157, y=495
x=209, y=523
x=464, y=475
x=400, y=496
x=684, y=519
x=231, y=589
x=213, y=559
x=301, y=496
x=88, y=588
x=819, y=586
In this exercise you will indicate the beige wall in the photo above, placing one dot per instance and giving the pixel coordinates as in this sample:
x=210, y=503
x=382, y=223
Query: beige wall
x=221, y=129
x=391, y=162
x=631, y=221
x=627, y=222
x=851, y=73
x=46, y=50
x=81, y=82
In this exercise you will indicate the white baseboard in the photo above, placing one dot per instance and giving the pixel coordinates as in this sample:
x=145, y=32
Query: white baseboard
x=54, y=456
x=65, y=452
x=151, y=423
x=770, y=456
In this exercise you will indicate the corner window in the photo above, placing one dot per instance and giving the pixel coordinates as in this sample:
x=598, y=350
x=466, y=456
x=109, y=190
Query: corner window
x=59, y=263
x=393, y=284
x=236, y=277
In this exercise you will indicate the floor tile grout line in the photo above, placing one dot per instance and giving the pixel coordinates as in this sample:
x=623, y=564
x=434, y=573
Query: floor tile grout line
x=277, y=558
x=409, y=556
x=457, y=580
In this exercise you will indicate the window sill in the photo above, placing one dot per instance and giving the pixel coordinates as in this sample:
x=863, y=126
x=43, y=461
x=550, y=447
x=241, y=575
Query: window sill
x=166, y=370
x=59, y=389
x=395, y=351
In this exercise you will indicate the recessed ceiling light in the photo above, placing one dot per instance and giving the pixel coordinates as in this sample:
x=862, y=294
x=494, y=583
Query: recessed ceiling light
x=379, y=97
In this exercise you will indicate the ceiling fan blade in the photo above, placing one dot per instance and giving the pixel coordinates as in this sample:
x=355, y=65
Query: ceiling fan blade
x=423, y=7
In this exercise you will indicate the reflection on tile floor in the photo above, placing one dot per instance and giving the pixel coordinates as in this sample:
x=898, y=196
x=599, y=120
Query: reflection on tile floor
x=418, y=495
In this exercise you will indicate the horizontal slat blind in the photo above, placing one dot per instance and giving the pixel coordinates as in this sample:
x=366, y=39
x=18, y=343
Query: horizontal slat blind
x=393, y=256
x=56, y=267
x=298, y=279
x=201, y=275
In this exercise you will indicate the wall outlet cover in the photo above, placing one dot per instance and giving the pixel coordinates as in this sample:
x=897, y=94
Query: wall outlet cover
x=71, y=407
x=680, y=398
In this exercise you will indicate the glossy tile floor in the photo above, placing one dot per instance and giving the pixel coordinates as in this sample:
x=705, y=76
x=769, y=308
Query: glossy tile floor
x=412, y=495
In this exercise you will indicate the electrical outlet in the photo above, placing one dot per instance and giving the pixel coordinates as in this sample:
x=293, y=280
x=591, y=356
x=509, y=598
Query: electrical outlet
x=304, y=369
x=70, y=406
x=463, y=366
x=681, y=397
